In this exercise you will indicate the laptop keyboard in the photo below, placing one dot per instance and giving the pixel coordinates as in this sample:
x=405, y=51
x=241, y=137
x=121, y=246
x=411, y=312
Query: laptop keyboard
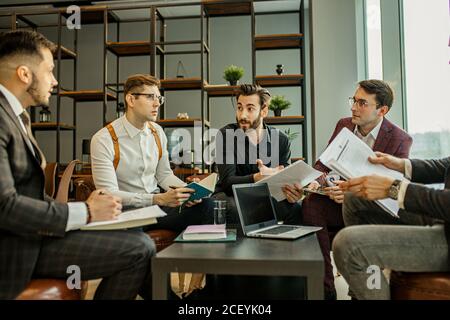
x=278, y=230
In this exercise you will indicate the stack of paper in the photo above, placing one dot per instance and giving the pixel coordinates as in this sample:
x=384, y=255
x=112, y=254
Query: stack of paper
x=205, y=232
x=298, y=172
x=129, y=219
x=348, y=155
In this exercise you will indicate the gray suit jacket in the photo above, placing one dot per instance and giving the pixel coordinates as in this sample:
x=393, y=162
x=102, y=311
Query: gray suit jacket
x=426, y=201
x=26, y=213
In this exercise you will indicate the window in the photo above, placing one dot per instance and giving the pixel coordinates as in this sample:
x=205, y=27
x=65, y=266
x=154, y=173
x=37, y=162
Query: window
x=427, y=54
x=374, y=45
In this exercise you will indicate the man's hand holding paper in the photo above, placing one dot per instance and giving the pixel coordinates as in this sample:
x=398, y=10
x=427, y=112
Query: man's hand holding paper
x=265, y=171
x=288, y=182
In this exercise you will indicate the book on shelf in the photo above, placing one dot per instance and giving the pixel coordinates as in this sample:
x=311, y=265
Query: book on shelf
x=129, y=219
x=205, y=232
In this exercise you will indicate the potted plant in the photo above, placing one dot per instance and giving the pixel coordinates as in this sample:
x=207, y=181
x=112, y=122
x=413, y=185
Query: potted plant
x=279, y=103
x=291, y=135
x=232, y=74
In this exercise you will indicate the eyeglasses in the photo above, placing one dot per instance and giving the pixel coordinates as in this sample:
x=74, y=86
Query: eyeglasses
x=360, y=102
x=151, y=97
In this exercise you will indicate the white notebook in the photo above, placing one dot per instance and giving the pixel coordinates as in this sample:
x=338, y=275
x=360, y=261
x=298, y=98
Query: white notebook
x=129, y=219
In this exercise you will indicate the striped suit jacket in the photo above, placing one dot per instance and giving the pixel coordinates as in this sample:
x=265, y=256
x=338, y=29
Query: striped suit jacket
x=26, y=213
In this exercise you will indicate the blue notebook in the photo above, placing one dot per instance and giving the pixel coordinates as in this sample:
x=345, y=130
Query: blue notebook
x=200, y=191
x=203, y=188
x=231, y=236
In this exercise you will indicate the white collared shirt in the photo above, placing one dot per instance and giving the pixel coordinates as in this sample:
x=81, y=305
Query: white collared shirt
x=139, y=172
x=371, y=137
x=77, y=215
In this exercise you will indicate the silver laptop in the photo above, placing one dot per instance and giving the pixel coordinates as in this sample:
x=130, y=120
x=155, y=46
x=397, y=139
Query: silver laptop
x=257, y=214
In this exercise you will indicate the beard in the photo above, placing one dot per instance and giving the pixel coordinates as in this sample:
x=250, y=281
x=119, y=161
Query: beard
x=252, y=125
x=33, y=91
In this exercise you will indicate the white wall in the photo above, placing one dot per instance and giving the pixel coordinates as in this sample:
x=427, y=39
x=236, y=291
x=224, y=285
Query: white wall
x=335, y=64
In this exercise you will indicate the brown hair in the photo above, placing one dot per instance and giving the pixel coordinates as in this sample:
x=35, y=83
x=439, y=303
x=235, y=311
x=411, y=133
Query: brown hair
x=135, y=83
x=251, y=89
x=24, y=43
x=383, y=92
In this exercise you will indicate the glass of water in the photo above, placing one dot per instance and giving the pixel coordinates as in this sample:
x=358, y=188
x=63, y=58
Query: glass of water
x=220, y=209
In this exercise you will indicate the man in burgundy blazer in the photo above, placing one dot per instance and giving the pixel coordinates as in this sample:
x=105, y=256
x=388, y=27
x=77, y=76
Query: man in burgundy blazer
x=372, y=100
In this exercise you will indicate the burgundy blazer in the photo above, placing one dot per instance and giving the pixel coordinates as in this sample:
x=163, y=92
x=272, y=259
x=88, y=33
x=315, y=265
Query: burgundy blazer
x=322, y=211
x=391, y=139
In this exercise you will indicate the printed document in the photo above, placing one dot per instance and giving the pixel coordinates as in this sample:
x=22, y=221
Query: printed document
x=348, y=155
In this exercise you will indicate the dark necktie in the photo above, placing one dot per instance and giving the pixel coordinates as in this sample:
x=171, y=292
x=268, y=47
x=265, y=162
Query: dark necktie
x=39, y=155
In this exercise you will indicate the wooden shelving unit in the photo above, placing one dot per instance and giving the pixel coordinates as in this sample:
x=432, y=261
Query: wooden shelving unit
x=260, y=42
x=288, y=80
x=87, y=95
x=220, y=8
x=132, y=48
x=65, y=54
x=182, y=84
x=93, y=15
x=285, y=120
x=181, y=123
x=61, y=53
x=51, y=126
x=221, y=90
x=157, y=46
x=278, y=41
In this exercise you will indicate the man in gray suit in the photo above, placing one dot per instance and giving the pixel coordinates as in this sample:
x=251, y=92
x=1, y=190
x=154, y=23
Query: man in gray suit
x=37, y=237
x=415, y=241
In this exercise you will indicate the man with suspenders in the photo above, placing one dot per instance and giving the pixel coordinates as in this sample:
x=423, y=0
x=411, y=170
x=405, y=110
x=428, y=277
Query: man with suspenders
x=130, y=160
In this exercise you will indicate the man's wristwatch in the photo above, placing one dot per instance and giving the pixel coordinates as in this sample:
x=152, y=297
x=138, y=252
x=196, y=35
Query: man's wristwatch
x=394, y=189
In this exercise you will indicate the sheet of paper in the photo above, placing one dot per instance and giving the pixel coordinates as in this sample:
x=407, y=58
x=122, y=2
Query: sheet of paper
x=348, y=155
x=129, y=219
x=298, y=172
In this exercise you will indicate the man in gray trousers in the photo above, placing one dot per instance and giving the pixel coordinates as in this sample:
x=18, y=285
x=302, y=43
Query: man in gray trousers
x=416, y=241
x=39, y=238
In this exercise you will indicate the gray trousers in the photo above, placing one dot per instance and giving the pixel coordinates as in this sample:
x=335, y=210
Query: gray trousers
x=121, y=257
x=375, y=240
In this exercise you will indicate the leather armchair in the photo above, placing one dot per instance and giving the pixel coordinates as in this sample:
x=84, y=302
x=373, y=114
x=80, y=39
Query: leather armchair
x=420, y=285
x=51, y=289
x=54, y=289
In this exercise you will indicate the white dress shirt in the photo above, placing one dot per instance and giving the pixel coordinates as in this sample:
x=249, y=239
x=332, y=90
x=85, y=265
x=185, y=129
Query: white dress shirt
x=371, y=137
x=139, y=172
x=77, y=210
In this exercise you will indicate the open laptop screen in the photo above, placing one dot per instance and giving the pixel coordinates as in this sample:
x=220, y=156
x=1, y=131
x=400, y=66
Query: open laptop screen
x=255, y=204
